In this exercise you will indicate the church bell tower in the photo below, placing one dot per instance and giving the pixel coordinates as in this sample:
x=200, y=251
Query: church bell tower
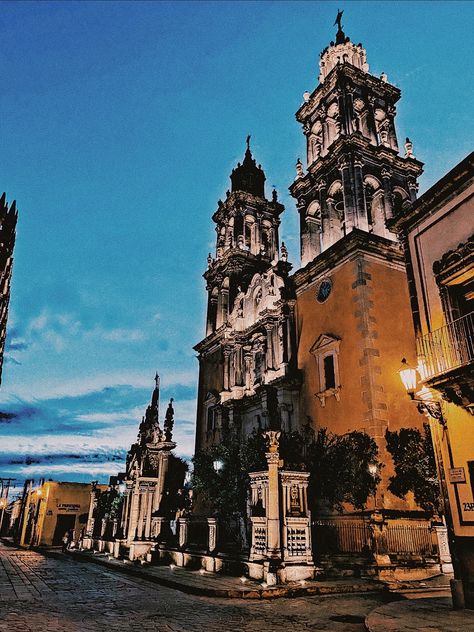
x=355, y=177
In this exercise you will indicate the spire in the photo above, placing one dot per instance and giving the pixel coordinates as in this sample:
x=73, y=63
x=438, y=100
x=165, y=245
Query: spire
x=155, y=398
x=247, y=176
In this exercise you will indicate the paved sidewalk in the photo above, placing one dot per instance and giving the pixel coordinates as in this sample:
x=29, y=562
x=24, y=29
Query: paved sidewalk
x=218, y=585
x=422, y=615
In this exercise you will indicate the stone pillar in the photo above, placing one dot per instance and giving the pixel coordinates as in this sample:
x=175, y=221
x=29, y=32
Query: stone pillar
x=132, y=525
x=149, y=508
x=379, y=544
x=183, y=524
x=322, y=188
x=212, y=538
x=273, y=507
x=443, y=547
x=164, y=456
x=387, y=189
x=226, y=353
x=90, y=517
x=238, y=366
x=248, y=368
x=361, y=221
x=270, y=352
x=141, y=513
x=349, y=205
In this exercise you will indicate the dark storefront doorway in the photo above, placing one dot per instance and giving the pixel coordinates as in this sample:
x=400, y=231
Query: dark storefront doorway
x=64, y=523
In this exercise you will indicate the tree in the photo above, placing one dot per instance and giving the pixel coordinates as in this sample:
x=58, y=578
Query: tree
x=415, y=466
x=339, y=468
x=338, y=464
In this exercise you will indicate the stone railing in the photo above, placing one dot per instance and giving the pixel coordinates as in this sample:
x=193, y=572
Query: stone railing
x=259, y=538
x=297, y=540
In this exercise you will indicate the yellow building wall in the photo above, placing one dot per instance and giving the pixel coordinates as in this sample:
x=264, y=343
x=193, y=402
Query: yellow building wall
x=59, y=499
x=369, y=310
x=437, y=233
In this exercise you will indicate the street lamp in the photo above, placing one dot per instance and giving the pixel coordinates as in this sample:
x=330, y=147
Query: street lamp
x=408, y=377
x=218, y=465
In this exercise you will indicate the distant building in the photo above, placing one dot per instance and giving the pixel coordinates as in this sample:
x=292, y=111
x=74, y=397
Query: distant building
x=52, y=509
x=8, y=219
x=128, y=516
x=438, y=234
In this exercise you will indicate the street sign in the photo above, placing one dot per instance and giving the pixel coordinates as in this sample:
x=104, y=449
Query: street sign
x=457, y=475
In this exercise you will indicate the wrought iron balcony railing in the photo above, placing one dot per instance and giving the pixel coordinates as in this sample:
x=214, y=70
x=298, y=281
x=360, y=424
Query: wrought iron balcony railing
x=447, y=348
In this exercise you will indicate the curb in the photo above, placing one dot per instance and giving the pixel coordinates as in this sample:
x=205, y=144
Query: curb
x=249, y=593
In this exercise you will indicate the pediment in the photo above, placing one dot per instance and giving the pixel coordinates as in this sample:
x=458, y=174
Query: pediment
x=325, y=341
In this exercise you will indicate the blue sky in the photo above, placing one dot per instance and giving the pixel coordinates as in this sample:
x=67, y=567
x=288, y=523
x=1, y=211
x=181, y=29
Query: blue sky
x=120, y=123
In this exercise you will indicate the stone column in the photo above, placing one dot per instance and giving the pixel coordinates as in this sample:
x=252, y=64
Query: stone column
x=160, y=486
x=125, y=512
x=273, y=507
x=270, y=353
x=183, y=532
x=226, y=353
x=361, y=221
x=387, y=189
x=141, y=513
x=212, y=538
x=132, y=525
x=322, y=189
x=149, y=508
x=349, y=205
x=90, y=517
x=248, y=368
x=238, y=366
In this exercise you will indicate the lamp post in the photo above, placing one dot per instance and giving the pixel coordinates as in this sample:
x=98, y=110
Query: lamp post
x=427, y=405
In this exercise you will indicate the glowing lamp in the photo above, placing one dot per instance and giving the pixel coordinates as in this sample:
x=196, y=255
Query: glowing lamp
x=408, y=377
x=218, y=465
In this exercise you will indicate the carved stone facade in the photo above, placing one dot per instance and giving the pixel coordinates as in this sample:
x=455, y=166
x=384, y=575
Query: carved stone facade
x=355, y=176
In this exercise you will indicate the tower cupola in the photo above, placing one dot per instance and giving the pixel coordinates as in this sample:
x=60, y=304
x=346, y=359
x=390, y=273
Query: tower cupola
x=343, y=51
x=247, y=176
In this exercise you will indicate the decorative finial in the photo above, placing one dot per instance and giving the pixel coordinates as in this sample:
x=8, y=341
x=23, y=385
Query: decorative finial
x=338, y=20
x=209, y=260
x=284, y=252
x=248, y=142
x=408, y=148
x=169, y=421
x=157, y=380
x=299, y=169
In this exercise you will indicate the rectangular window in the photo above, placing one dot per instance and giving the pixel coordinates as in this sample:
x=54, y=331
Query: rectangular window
x=470, y=465
x=210, y=419
x=329, y=374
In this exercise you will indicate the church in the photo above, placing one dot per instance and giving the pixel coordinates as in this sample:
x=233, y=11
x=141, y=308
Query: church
x=320, y=344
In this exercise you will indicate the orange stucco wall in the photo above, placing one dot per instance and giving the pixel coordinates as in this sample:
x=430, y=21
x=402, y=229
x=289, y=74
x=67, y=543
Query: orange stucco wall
x=369, y=311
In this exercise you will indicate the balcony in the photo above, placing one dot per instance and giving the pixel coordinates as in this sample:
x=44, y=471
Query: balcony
x=447, y=348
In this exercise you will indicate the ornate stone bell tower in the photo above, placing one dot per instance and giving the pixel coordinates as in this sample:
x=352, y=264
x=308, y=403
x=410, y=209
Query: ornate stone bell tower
x=355, y=177
x=249, y=349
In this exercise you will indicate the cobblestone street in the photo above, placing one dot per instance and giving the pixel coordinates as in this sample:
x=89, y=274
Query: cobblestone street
x=39, y=593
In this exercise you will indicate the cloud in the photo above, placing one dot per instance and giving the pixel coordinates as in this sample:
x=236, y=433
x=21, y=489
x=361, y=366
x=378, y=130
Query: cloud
x=86, y=384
